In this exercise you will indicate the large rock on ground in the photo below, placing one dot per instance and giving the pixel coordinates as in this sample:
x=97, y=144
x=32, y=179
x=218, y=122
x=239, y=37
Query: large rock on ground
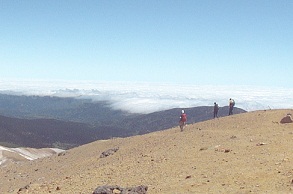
x=287, y=119
x=107, y=189
x=108, y=152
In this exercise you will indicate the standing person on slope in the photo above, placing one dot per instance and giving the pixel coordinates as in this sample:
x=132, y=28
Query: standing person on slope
x=231, y=106
x=183, y=119
x=216, y=109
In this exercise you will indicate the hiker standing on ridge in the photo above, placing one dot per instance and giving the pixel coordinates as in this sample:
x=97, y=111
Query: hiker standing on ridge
x=183, y=119
x=231, y=106
x=216, y=109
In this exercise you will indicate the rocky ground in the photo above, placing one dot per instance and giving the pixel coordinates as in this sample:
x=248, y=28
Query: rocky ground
x=245, y=153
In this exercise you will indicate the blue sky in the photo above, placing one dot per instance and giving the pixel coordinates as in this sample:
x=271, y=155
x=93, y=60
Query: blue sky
x=197, y=42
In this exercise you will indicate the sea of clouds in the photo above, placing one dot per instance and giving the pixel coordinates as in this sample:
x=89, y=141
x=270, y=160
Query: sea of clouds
x=151, y=97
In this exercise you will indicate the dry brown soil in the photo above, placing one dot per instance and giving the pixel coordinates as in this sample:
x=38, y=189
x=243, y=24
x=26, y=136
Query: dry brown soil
x=245, y=153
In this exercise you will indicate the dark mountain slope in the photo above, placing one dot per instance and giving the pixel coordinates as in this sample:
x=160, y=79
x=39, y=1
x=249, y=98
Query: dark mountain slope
x=68, y=109
x=68, y=122
x=170, y=118
x=45, y=133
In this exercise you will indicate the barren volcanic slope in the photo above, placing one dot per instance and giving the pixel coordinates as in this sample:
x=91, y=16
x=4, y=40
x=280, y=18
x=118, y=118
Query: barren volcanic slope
x=244, y=153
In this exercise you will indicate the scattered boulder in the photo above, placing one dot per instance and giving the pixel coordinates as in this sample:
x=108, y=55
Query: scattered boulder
x=25, y=188
x=260, y=144
x=135, y=190
x=203, y=148
x=219, y=149
x=116, y=191
x=108, y=152
x=108, y=189
x=61, y=153
x=287, y=119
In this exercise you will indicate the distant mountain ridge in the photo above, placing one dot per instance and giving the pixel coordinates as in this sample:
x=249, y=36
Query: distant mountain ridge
x=34, y=121
x=67, y=109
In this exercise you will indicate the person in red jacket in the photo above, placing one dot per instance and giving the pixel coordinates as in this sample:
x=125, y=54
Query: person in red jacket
x=183, y=119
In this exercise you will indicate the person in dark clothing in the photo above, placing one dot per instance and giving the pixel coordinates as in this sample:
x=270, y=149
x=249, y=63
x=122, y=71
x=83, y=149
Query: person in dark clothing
x=216, y=109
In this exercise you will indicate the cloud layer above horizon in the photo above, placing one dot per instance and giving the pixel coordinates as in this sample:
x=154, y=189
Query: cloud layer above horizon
x=147, y=97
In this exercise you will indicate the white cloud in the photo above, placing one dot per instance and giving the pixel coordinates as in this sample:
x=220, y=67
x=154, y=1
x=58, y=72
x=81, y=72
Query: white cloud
x=146, y=98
